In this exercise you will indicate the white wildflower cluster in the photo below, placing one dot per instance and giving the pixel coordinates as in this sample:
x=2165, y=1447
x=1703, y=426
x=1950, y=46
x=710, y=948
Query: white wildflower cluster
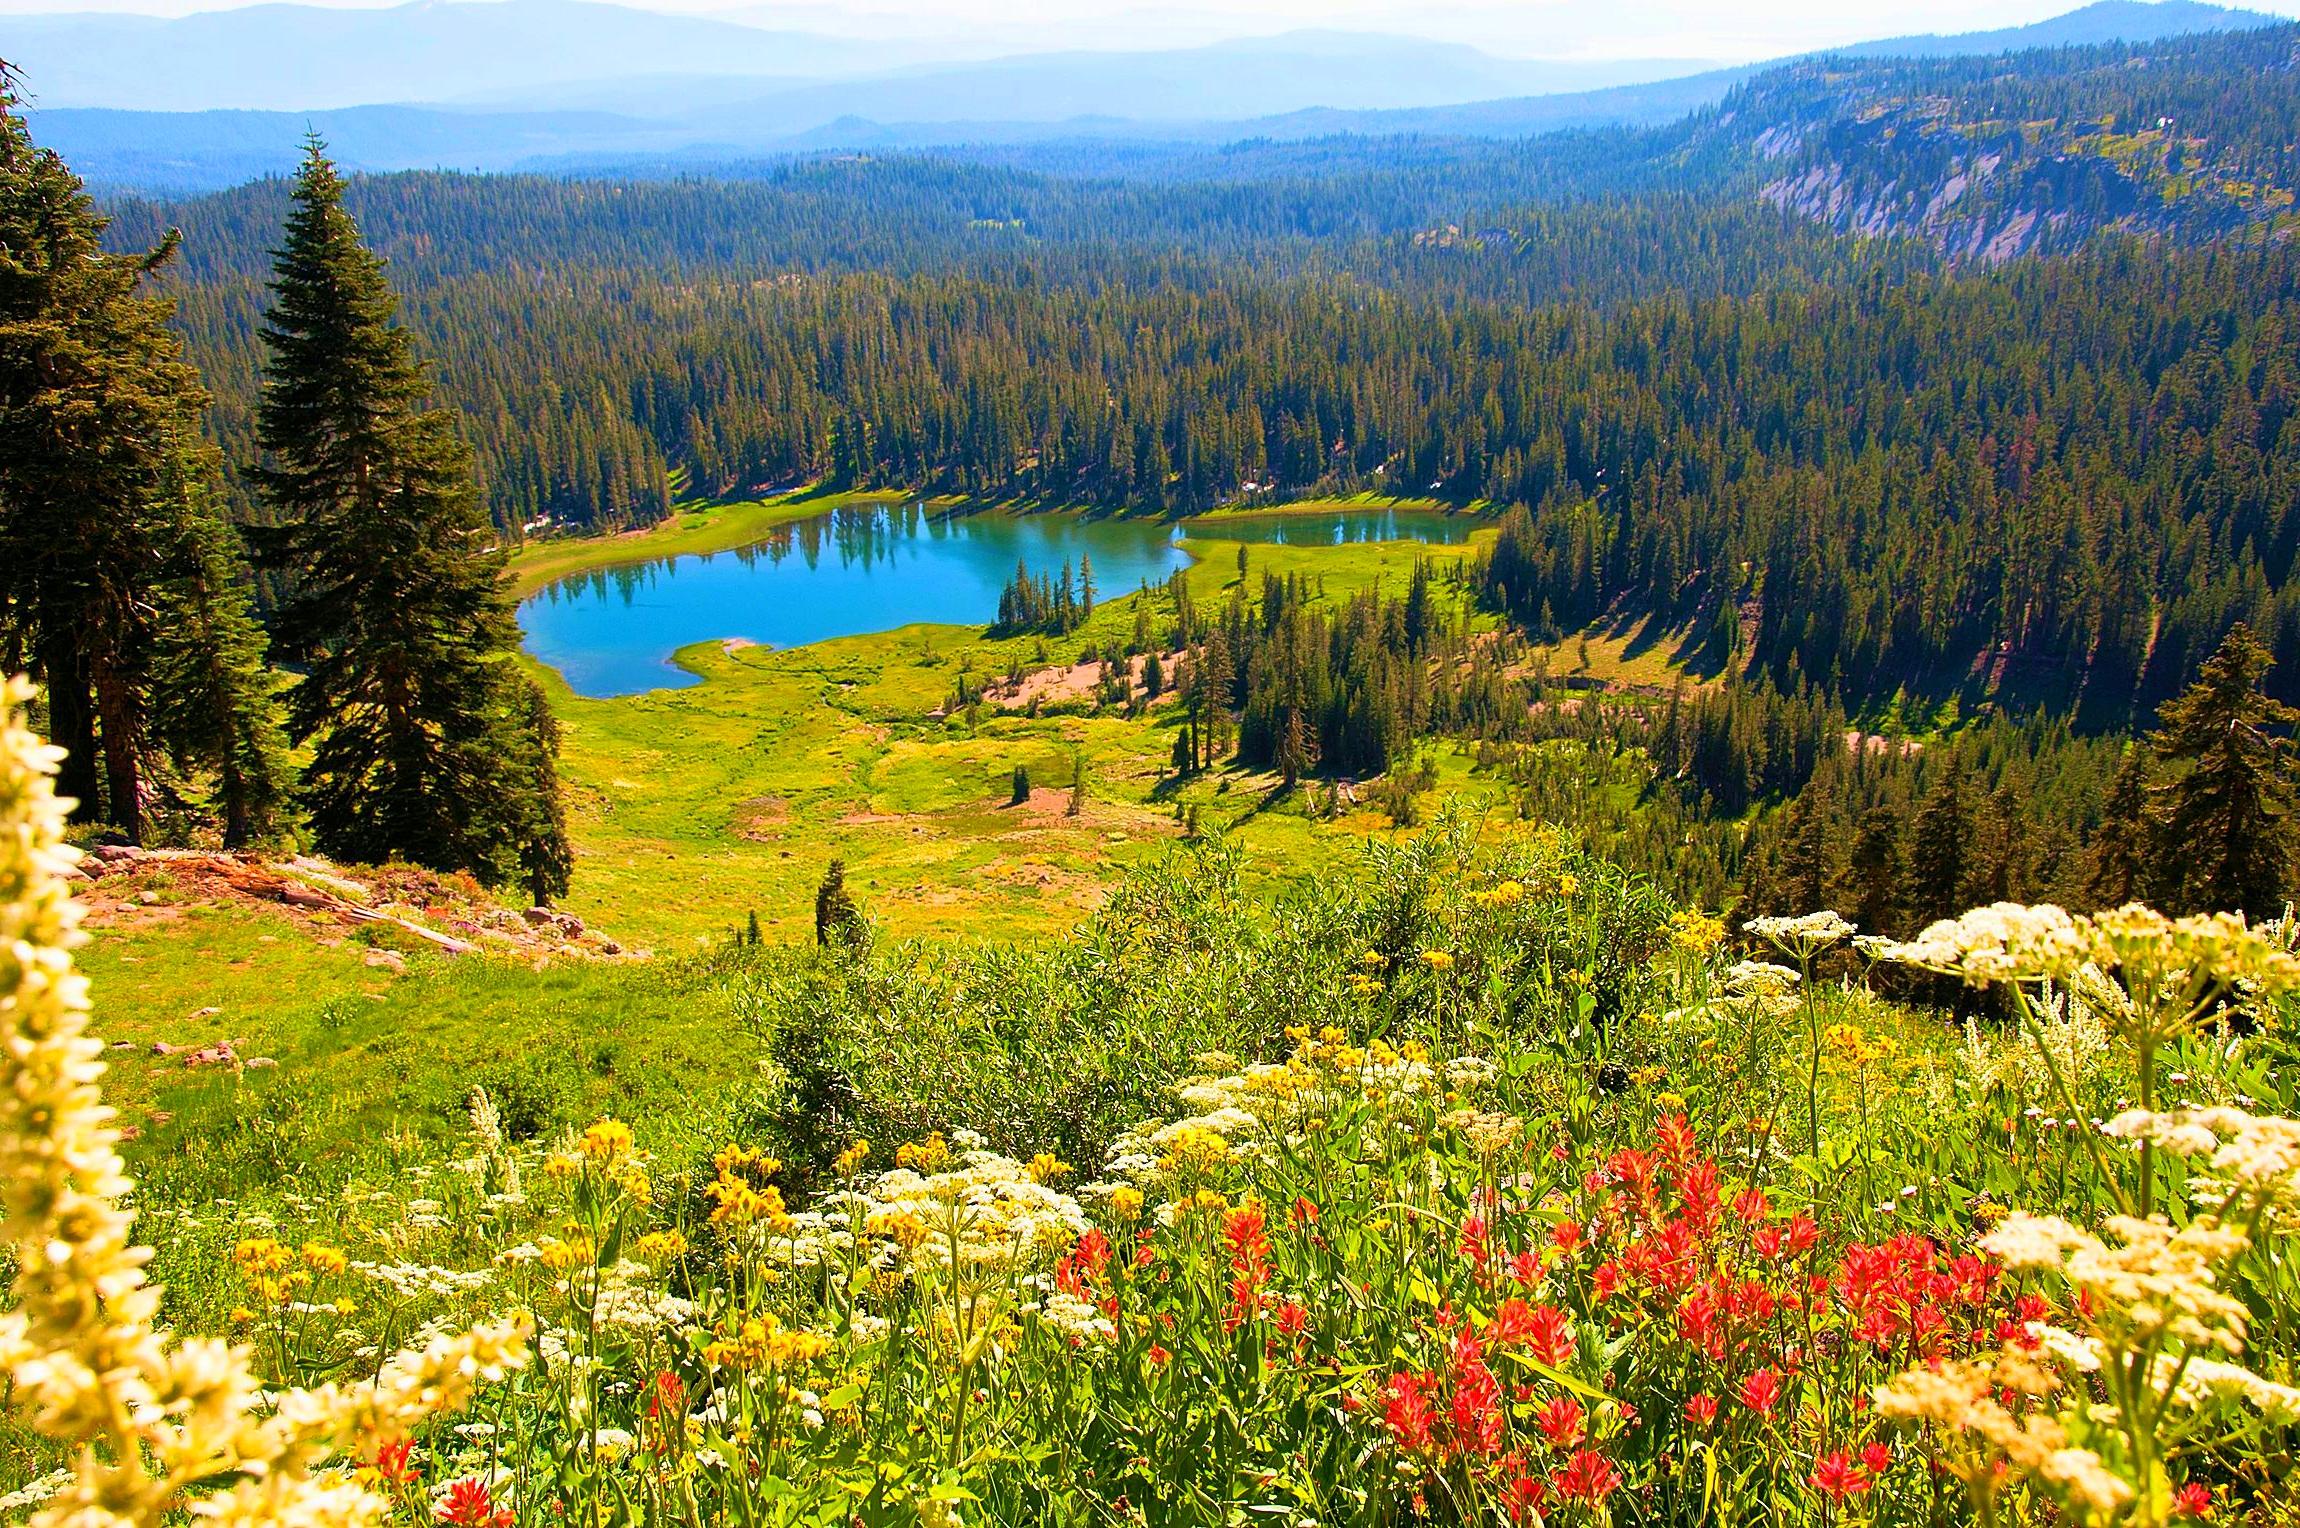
x=988, y=1212
x=2154, y=959
x=412, y=1281
x=2004, y=941
x=2160, y=1284
x=1074, y=1317
x=2253, y=1160
x=1759, y=979
x=2067, y=1029
x=1803, y=937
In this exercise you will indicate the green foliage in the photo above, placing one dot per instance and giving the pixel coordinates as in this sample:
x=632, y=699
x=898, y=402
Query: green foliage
x=426, y=743
x=2226, y=825
x=120, y=583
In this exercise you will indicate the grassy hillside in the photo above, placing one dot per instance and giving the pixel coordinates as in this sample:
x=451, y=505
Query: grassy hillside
x=696, y=806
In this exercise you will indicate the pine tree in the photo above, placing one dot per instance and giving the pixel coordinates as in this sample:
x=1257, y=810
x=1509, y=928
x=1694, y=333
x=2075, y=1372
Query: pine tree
x=2227, y=834
x=1939, y=851
x=1021, y=793
x=1077, y=807
x=837, y=919
x=1297, y=750
x=2120, y=863
x=215, y=699
x=546, y=860
x=1808, y=855
x=1873, y=871
x=425, y=736
x=104, y=514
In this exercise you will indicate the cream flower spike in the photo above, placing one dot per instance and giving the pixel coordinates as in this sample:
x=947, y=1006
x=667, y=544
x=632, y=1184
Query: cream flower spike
x=165, y=1427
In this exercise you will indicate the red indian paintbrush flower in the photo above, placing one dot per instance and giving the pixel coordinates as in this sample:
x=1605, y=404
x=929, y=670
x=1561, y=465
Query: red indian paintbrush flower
x=1761, y=1392
x=1561, y=1422
x=1836, y=1477
x=469, y=1504
x=1590, y=1478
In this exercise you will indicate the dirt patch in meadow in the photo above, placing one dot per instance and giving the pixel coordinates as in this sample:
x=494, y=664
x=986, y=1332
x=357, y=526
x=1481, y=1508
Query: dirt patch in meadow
x=400, y=905
x=1045, y=801
x=761, y=818
x=1076, y=682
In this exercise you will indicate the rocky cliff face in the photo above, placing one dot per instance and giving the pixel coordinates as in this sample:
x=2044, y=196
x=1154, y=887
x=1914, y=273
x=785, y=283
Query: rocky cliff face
x=1988, y=159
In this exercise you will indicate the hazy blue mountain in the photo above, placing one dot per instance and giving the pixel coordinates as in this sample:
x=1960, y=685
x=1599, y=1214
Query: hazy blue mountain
x=1292, y=86
x=2100, y=22
x=198, y=151
x=306, y=58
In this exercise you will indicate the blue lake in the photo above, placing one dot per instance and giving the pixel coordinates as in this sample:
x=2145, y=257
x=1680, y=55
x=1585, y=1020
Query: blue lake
x=873, y=568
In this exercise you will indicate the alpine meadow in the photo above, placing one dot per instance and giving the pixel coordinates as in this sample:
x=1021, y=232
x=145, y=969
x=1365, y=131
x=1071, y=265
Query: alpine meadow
x=1328, y=764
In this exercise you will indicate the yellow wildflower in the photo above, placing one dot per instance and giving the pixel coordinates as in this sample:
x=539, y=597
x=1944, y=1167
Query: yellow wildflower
x=607, y=1140
x=929, y=1156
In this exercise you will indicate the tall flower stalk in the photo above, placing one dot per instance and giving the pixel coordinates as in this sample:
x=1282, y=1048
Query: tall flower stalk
x=1804, y=940
x=162, y=1425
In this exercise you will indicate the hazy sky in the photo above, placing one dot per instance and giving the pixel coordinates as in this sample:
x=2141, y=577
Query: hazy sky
x=1534, y=28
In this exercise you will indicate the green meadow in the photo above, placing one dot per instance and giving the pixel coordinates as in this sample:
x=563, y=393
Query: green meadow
x=692, y=809
x=695, y=807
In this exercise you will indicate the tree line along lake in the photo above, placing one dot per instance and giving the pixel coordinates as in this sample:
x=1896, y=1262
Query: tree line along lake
x=875, y=567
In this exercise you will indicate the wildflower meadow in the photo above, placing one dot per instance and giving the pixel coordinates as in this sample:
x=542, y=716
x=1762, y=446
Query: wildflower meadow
x=1492, y=1188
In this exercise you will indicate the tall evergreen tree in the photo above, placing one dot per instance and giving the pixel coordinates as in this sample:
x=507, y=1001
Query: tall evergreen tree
x=1940, y=851
x=1873, y=871
x=215, y=699
x=2120, y=862
x=2227, y=831
x=118, y=578
x=837, y=919
x=546, y=860
x=424, y=734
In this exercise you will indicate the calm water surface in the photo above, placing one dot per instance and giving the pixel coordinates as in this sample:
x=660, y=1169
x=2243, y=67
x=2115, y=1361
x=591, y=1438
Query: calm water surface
x=873, y=568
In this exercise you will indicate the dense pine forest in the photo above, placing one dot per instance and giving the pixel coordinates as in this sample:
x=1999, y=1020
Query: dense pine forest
x=1958, y=383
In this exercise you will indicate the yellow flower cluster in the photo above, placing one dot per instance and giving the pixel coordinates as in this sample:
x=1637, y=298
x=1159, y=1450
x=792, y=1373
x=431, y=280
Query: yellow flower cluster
x=1193, y=1152
x=163, y=1429
x=931, y=1155
x=763, y=1342
x=568, y=1253
x=1695, y=933
x=902, y=1227
x=735, y=1202
x=660, y=1246
x=851, y=1160
x=1502, y=894
x=269, y=1270
x=603, y=1154
x=1853, y=1046
x=607, y=1141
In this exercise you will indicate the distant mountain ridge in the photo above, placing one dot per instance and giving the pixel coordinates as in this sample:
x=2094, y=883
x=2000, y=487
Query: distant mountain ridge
x=666, y=120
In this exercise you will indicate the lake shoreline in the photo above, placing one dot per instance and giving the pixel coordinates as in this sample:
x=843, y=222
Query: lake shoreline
x=941, y=555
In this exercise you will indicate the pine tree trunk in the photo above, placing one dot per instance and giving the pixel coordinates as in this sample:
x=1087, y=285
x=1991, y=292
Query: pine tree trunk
x=72, y=723
x=123, y=774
